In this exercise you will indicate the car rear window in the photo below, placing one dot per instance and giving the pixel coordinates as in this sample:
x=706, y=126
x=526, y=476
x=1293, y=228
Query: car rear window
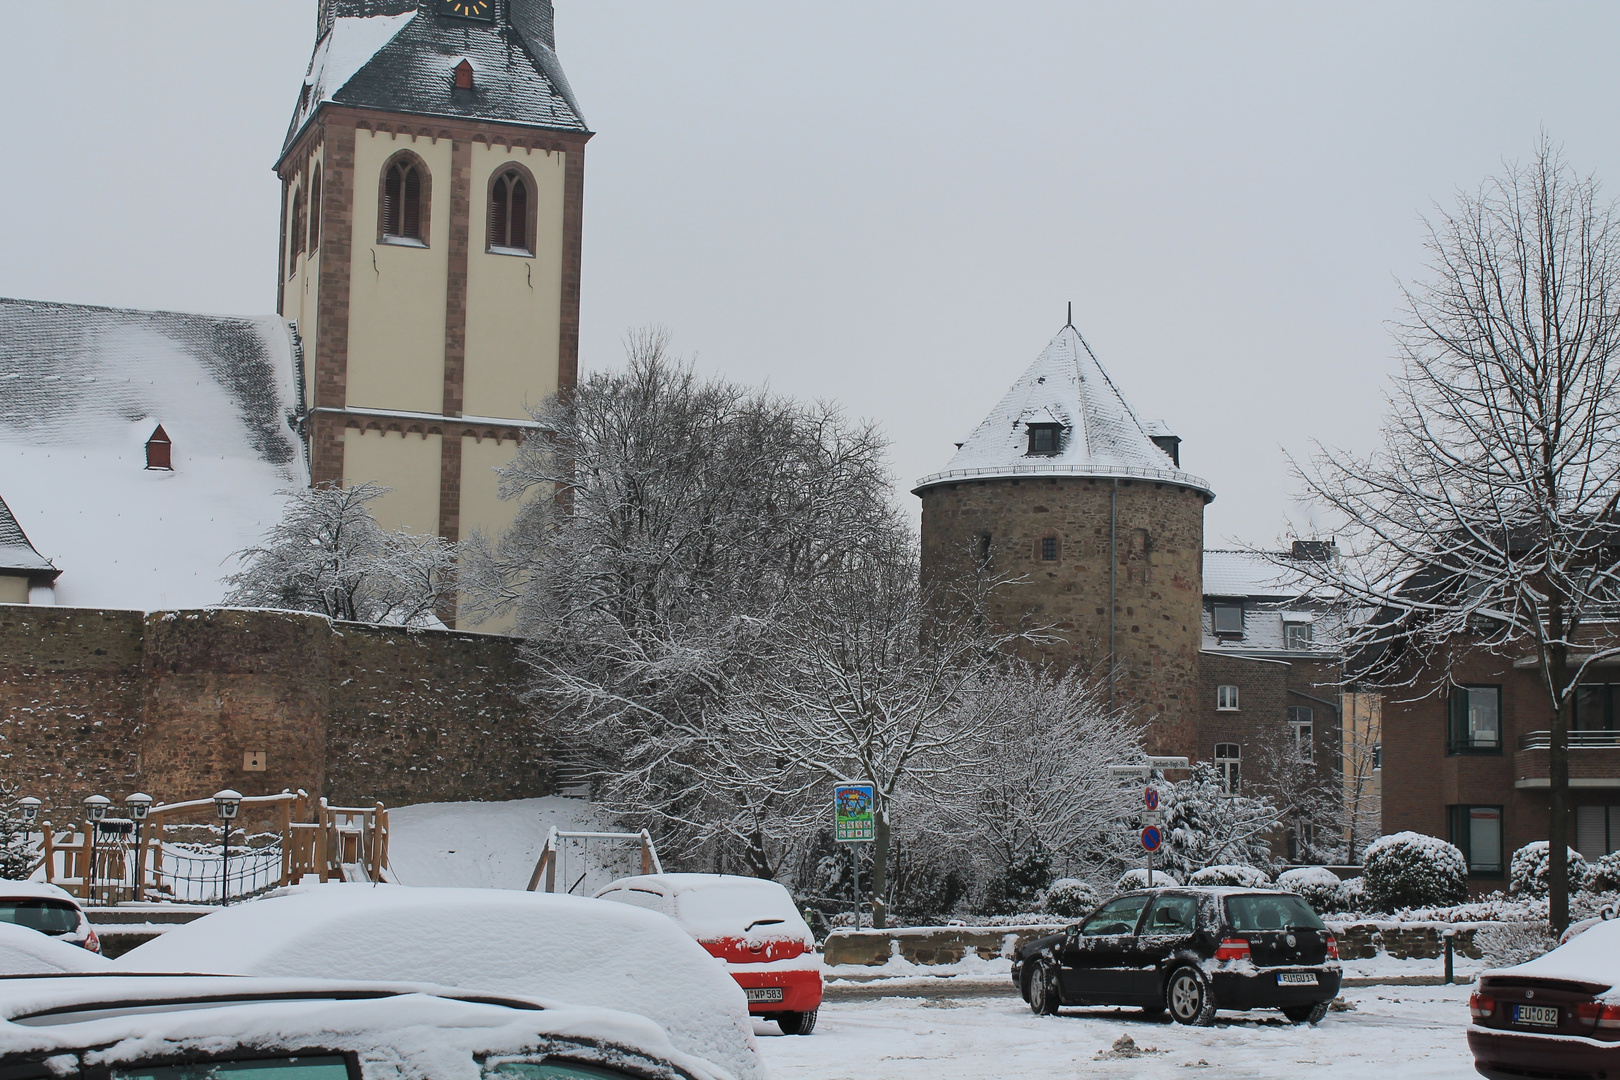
x=46, y=916
x=726, y=910
x=1267, y=912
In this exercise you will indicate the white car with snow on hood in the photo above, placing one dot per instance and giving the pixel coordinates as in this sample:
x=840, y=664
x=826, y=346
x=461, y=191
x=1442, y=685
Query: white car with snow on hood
x=41, y=906
x=188, y=1027
x=28, y=952
x=552, y=948
x=750, y=923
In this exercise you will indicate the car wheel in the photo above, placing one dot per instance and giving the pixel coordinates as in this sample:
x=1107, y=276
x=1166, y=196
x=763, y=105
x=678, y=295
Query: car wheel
x=797, y=1023
x=1306, y=1014
x=1188, y=998
x=1043, y=989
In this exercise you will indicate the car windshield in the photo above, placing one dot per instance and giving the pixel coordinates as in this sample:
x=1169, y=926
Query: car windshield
x=46, y=916
x=323, y=1067
x=1117, y=917
x=1271, y=912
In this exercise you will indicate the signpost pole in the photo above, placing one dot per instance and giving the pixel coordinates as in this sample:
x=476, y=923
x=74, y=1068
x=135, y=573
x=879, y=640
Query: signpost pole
x=855, y=854
x=854, y=823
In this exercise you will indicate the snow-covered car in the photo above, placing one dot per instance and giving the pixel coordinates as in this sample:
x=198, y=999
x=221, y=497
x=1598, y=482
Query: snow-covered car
x=750, y=923
x=1557, y=1015
x=28, y=952
x=48, y=909
x=173, y=1027
x=535, y=945
x=1581, y=926
x=1191, y=950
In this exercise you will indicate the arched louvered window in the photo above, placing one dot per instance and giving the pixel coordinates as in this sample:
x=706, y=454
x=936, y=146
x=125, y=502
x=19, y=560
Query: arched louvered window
x=404, y=199
x=295, y=245
x=315, y=211
x=509, y=211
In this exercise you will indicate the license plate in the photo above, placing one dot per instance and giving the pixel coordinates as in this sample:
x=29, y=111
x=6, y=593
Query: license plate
x=1536, y=1015
x=1296, y=978
x=765, y=993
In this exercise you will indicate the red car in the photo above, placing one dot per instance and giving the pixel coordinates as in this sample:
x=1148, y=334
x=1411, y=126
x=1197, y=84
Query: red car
x=1556, y=1016
x=750, y=923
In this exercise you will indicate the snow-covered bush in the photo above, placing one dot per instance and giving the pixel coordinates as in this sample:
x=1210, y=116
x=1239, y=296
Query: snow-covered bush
x=1071, y=898
x=1506, y=944
x=1351, y=895
x=1604, y=874
x=1409, y=869
x=1316, y=885
x=1241, y=877
x=1527, y=871
x=1138, y=879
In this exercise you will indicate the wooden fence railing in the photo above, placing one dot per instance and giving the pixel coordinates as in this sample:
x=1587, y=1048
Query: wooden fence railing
x=179, y=852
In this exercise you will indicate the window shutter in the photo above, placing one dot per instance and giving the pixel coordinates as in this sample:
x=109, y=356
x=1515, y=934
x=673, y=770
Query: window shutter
x=497, y=214
x=391, y=202
x=519, y=231
x=411, y=205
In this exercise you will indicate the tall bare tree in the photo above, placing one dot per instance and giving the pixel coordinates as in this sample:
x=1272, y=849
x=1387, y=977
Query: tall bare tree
x=1487, y=519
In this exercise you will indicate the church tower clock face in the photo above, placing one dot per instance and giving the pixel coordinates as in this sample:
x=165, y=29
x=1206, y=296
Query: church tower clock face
x=468, y=9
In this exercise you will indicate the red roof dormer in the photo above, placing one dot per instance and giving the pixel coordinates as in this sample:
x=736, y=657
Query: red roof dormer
x=157, y=450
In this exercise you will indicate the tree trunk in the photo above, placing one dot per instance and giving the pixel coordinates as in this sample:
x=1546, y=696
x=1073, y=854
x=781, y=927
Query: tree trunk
x=1558, y=796
x=880, y=865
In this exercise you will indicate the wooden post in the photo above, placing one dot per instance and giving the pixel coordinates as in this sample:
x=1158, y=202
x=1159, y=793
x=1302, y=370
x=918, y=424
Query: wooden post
x=322, y=842
x=49, y=844
x=646, y=852
x=286, y=841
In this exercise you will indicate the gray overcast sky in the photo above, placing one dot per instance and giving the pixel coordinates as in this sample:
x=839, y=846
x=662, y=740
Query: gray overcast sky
x=887, y=203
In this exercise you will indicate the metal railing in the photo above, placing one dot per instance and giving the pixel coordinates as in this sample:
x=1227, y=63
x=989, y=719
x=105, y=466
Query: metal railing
x=1578, y=740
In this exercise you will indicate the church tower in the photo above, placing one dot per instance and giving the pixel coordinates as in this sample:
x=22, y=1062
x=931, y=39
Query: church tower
x=432, y=184
x=1064, y=490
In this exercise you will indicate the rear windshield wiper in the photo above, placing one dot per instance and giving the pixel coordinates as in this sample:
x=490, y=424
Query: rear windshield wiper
x=762, y=922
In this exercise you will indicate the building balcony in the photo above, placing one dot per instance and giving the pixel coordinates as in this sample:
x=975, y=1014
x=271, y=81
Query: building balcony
x=1594, y=760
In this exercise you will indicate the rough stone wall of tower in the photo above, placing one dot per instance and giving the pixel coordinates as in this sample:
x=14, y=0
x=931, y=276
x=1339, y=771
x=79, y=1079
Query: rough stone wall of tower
x=1158, y=540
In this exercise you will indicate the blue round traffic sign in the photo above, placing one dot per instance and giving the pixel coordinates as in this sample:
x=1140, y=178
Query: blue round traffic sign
x=1151, y=838
x=1152, y=798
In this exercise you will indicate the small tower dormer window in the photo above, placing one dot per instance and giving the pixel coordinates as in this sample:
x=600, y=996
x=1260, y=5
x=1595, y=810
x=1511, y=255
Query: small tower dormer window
x=1045, y=439
x=464, y=76
x=158, y=448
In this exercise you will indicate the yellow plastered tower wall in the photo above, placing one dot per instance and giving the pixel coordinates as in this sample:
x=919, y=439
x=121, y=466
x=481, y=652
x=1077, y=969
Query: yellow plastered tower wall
x=432, y=190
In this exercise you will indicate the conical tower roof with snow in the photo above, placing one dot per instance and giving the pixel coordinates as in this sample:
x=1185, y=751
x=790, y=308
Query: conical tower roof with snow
x=1064, y=417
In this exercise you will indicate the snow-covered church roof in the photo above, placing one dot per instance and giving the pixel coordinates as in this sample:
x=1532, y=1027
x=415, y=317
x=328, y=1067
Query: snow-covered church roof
x=393, y=56
x=17, y=555
x=83, y=388
x=1100, y=436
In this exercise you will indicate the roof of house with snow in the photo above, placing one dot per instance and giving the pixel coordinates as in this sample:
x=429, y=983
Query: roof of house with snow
x=404, y=60
x=1274, y=594
x=83, y=388
x=17, y=555
x=1099, y=434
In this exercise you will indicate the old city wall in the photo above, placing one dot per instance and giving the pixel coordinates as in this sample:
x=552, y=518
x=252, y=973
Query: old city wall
x=1157, y=535
x=181, y=704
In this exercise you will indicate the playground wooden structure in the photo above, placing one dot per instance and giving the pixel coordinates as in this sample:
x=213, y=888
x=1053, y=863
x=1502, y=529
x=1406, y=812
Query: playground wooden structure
x=128, y=860
x=551, y=856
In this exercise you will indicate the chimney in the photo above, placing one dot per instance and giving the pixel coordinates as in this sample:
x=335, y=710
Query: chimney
x=158, y=450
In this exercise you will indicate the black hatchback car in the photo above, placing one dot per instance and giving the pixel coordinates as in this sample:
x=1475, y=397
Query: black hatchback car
x=1190, y=950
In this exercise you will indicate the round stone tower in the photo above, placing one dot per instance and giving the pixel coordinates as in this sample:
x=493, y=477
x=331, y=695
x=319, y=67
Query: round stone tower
x=1063, y=490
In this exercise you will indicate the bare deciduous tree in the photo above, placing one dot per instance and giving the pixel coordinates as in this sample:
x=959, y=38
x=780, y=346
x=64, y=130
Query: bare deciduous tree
x=1487, y=518
x=328, y=554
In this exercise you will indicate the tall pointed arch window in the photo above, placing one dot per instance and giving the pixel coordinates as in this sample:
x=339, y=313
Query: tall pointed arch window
x=404, y=202
x=315, y=211
x=295, y=245
x=511, y=211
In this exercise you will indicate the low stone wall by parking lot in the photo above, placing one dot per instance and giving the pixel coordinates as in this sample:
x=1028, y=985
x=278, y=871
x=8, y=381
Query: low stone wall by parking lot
x=1403, y=941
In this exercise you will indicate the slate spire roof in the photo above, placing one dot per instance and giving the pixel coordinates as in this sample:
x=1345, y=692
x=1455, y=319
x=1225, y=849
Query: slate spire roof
x=17, y=554
x=391, y=55
x=1100, y=435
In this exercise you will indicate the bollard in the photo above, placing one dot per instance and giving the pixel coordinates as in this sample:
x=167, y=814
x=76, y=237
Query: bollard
x=1450, y=936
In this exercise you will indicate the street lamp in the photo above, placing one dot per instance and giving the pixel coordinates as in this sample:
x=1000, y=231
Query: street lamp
x=30, y=809
x=95, y=808
x=139, y=805
x=226, y=804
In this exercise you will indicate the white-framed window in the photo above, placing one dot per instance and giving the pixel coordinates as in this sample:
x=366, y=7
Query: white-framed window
x=1296, y=636
x=1227, y=619
x=1300, y=725
x=1227, y=756
x=1226, y=699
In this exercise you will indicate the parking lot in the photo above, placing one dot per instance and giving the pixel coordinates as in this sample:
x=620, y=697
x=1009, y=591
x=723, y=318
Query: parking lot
x=1391, y=1033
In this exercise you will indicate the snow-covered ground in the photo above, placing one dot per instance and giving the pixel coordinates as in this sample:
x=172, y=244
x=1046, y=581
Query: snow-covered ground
x=494, y=845
x=1393, y=1033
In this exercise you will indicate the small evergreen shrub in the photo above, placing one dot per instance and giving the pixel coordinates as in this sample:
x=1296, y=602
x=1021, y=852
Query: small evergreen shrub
x=1604, y=875
x=1238, y=877
x=1138, y=879
x=1316, y=885
x=1409, y=869
x=1351, y=895
x=1527, y=872
x=1017, y=887
x=1070, y=898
